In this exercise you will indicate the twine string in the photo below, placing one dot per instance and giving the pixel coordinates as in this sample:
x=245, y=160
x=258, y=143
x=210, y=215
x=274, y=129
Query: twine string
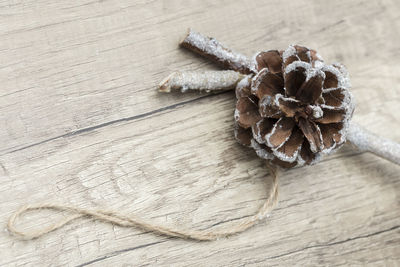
x=116, y=218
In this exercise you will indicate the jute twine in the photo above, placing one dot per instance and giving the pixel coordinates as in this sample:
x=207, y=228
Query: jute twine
x=116, y=218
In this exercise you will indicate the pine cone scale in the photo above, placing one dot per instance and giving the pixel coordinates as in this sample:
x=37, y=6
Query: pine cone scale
x=268, y=108
x=313, y=134
x=333, y=98
x=306, y=155
x=331, y=116
x=270, y=60
x=311, y=89
x=295, y=76
x=331, y=134
x=289, y=106
x=280, y=133
x=262, y=128
x=248, y=109
x=244, y=136
x=267, y=83
x=331, y=80
x=290, y=149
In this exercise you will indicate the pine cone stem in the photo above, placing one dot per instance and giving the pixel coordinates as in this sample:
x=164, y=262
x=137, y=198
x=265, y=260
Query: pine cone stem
x=205, y=80
x=364, y=140
x=212, y=49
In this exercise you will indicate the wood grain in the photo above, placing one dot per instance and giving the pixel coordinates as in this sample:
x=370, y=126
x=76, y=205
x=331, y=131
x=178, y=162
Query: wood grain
x=82, y=123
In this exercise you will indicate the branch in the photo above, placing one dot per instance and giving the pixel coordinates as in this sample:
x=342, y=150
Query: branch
x=206, y=80
x=214, y=50
x=364, y=140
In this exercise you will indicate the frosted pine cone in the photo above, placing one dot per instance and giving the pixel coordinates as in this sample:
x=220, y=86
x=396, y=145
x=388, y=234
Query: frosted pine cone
x=295, y=108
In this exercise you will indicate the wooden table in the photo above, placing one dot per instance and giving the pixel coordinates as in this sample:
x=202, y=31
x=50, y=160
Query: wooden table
x=83, y=124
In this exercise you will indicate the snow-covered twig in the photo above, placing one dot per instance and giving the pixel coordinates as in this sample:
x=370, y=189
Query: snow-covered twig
x=206, y=80
x=212, y=49
x=364, y=140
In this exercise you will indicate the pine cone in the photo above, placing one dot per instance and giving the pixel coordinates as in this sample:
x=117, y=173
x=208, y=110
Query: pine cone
x=295, y=108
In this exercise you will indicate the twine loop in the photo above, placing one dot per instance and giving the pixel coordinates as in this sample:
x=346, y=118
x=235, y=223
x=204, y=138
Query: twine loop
x=119, y=219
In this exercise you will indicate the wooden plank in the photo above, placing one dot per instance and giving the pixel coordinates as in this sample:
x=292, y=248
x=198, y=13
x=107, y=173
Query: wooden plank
x=83, y=124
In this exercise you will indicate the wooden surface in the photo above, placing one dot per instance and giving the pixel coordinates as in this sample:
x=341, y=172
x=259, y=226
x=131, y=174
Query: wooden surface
x=82, y=123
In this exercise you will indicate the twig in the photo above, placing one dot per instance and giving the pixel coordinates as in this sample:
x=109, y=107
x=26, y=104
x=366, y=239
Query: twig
x=206, y=80
x=212, y=49
x=364, y=140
